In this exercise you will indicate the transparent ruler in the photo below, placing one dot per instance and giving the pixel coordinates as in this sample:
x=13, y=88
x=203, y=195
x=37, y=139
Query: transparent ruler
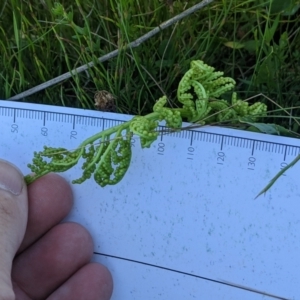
x=183, y=222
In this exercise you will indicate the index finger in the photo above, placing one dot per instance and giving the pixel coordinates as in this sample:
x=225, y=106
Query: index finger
x=50, y=199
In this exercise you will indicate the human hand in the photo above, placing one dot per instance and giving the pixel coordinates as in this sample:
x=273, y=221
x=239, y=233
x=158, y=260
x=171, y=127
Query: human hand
x=52, y=260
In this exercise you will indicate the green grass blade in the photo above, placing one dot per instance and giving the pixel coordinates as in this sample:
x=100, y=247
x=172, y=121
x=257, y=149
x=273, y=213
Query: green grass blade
x=281, y=172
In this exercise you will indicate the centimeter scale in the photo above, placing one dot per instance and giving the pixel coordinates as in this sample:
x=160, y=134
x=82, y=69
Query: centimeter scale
x=184, y=222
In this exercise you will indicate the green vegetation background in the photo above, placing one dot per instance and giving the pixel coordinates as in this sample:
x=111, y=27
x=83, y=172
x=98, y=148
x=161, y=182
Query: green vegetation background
x=257, y=42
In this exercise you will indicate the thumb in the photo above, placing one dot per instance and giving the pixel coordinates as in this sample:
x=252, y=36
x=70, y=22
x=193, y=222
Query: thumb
x=13, y=220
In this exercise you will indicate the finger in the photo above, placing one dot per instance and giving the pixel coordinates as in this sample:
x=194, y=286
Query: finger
x=50, y=200
x=45, y=265
x=92, y=282
x=13, y=218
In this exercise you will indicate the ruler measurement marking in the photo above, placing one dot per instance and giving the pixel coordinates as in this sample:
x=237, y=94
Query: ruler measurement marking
x=229, y=141
x=222, y=139
x=284, y=164
x=249, y=143
x=191, y=140
x=264, y=147
x=285, y=150
x=270, y=147
x=260, y=145
x=236, y=142
x=294, y=150
x=253, y=147
x=257, y=146
x=259, y=142
x=212, y=137
x=252, y=160
x=280, y=149
x=242, y=143
x=216, y=139
x=103, y=121
x=56, y=113
x=191, y=149
x=161, y=144
x=163, y=131
x=194, y=131
x=187, y=134
x=177, y=134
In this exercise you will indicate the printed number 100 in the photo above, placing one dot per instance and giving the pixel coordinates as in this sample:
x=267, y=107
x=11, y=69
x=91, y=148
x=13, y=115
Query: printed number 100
x=161, y=148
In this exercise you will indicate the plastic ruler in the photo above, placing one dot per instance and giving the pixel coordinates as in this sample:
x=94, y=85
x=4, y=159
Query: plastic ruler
x=183, y=222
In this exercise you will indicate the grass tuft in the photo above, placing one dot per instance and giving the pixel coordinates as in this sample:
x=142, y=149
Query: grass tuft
x=256, y=42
